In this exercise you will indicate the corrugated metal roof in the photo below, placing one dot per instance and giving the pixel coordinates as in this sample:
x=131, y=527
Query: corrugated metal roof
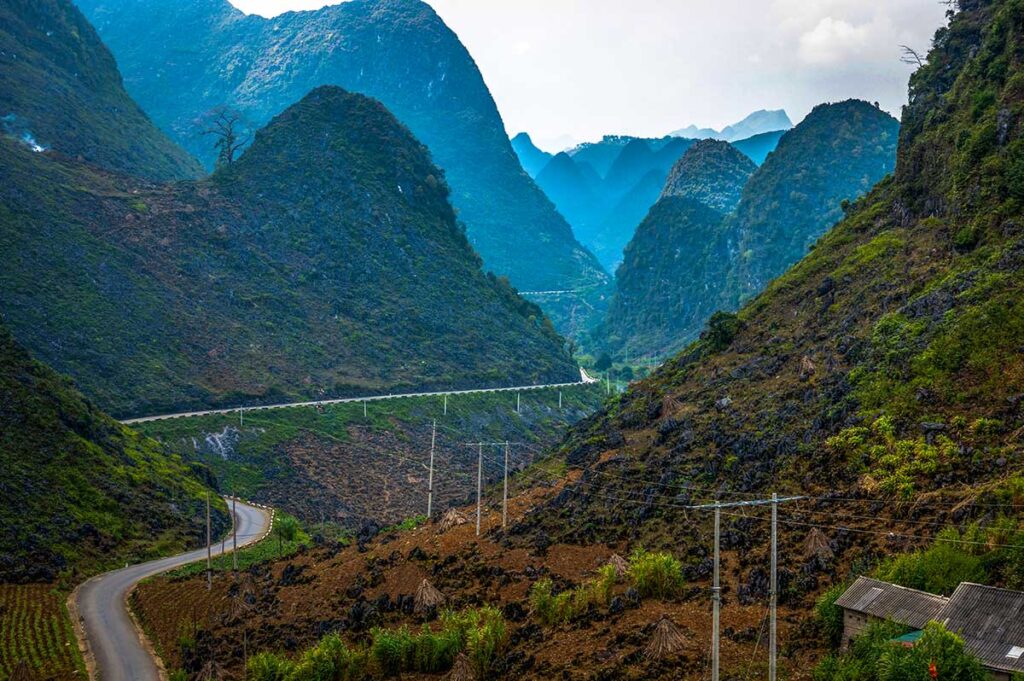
x=888, y=601
x=991, y=622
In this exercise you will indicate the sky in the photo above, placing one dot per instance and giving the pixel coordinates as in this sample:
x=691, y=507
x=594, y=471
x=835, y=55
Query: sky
x=573, y=70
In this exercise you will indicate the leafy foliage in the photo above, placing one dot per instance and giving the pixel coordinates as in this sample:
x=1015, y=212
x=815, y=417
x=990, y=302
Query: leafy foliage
x=481, y=633
x=553, y=609
x=655, y=574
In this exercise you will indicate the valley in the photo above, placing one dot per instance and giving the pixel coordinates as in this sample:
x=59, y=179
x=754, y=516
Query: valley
x=730, y=401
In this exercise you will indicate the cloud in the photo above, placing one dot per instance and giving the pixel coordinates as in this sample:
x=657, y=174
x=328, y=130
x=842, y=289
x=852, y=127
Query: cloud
x=833, y=41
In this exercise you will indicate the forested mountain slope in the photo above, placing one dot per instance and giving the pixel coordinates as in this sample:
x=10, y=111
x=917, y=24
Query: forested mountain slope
x=60, y=89
x=656, y=288
x=886, y=365
x=181, y=59
x=326, y=260
x=81, y=491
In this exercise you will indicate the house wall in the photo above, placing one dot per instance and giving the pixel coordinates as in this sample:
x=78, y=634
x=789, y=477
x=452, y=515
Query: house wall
x=853, y=624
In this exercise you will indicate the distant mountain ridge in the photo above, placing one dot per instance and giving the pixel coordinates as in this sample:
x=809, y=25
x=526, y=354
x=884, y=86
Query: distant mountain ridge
x=530, y=157
x=756, y=123
x=181, y=59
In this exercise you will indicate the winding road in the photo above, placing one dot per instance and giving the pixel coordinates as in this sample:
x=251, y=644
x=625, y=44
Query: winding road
x=585, y=379
x=102, y=604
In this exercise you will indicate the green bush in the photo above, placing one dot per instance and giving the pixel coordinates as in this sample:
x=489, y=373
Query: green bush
x=568, y=605
x=830, y=615
x=939, y=569
x=270, y=667
x=860, y=662
x=655, y=575
x=937, y=645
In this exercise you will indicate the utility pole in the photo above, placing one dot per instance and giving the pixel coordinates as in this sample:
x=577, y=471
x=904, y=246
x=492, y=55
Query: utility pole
x=517, y=403
x=234, y=534
x=430, y=476
x=774, y=594
x=209, y=551
x=446, y=404
x=716, y=598
x=479, y=483
x=559, y=399
x=716, y=593
x=364, y=409
x=504, y=496
x=239, y=417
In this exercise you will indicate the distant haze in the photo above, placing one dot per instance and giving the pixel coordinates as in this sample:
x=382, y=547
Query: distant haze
x=574, y=70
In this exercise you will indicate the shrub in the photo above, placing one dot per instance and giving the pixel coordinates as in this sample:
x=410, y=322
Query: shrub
x=269, y=667
x=486, y=639
x=860, y=662
x=830, y=615
x=657, y=575
x=936, y=645
x=939, y=569
x=722, y=328
x=568, y=605
x=391, y=650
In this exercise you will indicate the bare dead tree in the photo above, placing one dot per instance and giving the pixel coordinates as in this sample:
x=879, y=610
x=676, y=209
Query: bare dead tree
x=908, y=55
x=229, y=128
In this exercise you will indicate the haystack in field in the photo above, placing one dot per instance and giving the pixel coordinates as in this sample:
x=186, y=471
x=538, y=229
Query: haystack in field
x=667, y=640
x=427, y=598
x=461, y=670
x=620, y=564
x=816, y=545
x=451, y=518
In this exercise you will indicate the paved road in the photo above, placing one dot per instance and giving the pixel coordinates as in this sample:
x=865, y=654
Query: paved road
x=584, y=379
x=102, y=605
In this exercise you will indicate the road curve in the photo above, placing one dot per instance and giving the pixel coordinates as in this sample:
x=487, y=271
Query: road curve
x=103, y=606
x=585, y=379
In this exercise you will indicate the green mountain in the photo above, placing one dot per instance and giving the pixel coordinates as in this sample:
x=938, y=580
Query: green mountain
x=881, y=375
x=181, y=59
x=325, y=261
x=836, y=153
x=530, y=157
x=662, y=283
x=60, y=89
x=82, y=492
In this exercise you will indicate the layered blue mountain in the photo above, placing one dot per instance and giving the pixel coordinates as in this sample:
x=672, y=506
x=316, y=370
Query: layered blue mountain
x=754, y=124
x=182, y=59
x=706, y=246
x=530, y=157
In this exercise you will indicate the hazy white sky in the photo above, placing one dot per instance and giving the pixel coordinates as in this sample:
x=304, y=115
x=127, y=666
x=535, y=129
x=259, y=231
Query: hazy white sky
x=572, y=70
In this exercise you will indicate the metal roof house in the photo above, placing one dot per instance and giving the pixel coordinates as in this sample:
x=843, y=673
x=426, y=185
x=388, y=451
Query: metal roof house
x=870, y=600
x=990, y=620
x=991, y=623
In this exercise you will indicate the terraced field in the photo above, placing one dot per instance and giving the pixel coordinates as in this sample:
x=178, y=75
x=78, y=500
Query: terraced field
x=35, y=634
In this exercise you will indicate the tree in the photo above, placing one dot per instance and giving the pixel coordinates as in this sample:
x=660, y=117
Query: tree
x=229, y=128
x=908, y=55
x=604, y=362
x=286, y=528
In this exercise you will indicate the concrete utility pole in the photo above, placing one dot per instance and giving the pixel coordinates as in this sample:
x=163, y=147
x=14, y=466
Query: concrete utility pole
x=504, y=496
x=446, y=404
x=517, y=403
x=234, y=534
x=430, y=475
x=772, y=628
x=364, y=409
x=559, y=399
x=716, y=592
x=479, y=483
x=209, y=551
